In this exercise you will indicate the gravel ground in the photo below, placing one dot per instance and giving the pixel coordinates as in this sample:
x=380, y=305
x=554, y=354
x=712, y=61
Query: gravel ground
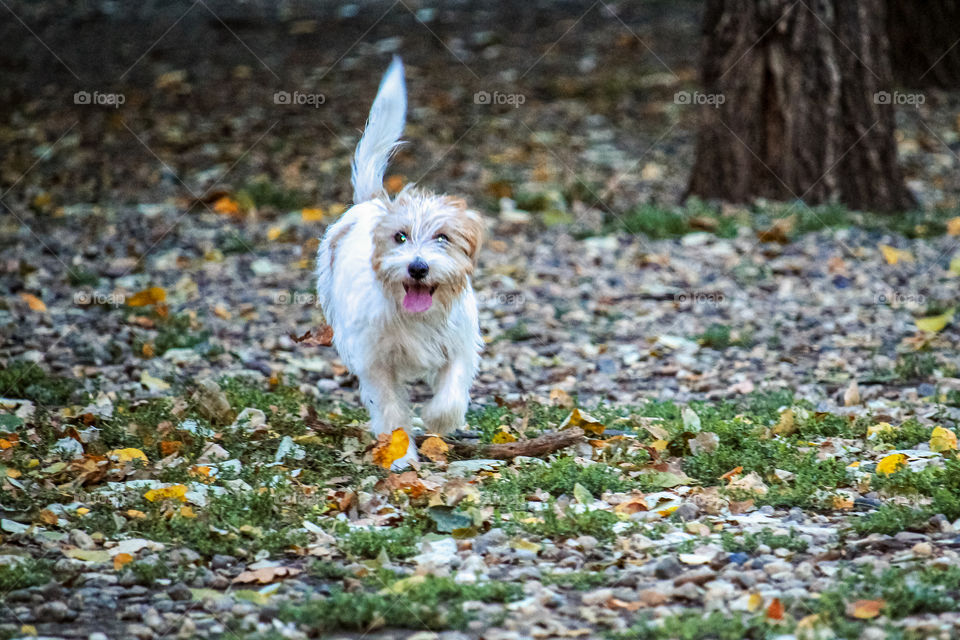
x=169, y=192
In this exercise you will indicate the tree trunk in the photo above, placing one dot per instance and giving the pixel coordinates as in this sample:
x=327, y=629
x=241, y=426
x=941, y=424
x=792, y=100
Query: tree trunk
x=789, y=105
x=925, y=42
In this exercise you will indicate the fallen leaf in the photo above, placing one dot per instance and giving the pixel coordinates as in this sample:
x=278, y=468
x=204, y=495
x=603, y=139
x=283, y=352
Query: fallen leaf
x=448, y=519
x=891, y=463
x=48, y=517
x=934, y=324
x=35, y=303
x=502, y=437
x=173, y=492
x=227, y=206
x=394, y=183
x=152, y=295
x=127, y=455
x=583, y=420
x=953, y=226
x=435, y=449
x=121, y=559
x=266, y=575
x=152, y=383
x=629, y=507
x=880, y=429
x=169, y=447
x=841, y=503
x=786, y=425
x=893, y=256
x=322, y=338
x=775, y=610
x=312, y=214
x=754, y=602
x=730, y=474
x=408, y=482
x=562, y=398
x=865, y=609
x=390, y=447
x=943, y=440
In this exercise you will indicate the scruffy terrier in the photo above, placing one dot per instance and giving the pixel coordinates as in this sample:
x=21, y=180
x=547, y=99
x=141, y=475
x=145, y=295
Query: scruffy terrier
x=394, y=282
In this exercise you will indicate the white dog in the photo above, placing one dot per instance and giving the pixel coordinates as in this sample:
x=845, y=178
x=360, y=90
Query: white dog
x=394, y=282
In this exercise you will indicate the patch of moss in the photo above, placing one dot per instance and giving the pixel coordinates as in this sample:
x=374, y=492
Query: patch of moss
x=28, y=572
x=27, y=380
x=429, y=602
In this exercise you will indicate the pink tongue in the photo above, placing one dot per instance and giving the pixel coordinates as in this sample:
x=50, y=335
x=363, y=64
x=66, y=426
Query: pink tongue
x=417, y=299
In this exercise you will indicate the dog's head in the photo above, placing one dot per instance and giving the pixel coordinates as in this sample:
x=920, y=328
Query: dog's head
x=425, y=249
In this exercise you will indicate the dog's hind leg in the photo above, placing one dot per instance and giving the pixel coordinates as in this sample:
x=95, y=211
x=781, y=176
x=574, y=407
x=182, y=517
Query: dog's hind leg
x=447, y=409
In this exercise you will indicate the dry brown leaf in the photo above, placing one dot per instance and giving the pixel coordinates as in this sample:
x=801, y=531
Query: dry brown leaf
x=266, y=575
x=322, y=338
x=435, y=449
x=152, y=295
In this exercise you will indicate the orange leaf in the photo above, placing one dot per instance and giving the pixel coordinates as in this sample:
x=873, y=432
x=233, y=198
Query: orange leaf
x=133, y=513
x=6, y=444
x=227, y=206
x=169, y=447
x=187, y=512
x=730, y=474
x=121, y=559
x=631, y=506
x=312, y=214
x=865, y=609
x=149, y=296
x=775, y=610
x=408, y=482
x=395, y=183
x=891, y=463
x=147, y=350
x=35, y=303
x=953, y=226
x=435, y=449
x=390, y=447
x=48, y=517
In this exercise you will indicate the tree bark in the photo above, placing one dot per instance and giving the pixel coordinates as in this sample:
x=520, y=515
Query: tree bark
x=539, y=446
x=925, y=42
x=795, y=112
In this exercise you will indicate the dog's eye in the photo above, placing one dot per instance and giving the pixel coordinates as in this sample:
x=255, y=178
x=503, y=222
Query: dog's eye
x=400, y=237
x=442, y=238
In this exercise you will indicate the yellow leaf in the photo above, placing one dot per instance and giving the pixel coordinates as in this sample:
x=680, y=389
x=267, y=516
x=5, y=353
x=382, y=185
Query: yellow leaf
x=879, y=429
x=390, y=447
x=226, y=205
x=134, y=513
x=275, y=232
x=82, y=511
x=893, y=256
x=149, y=296
x=35, y=303
x=435, y=449
x=173, y=492
x=953, y=226
x=786, y=425
x=127, y=455
x=754, y=602
x=28, y=630
x=892, y=463
x=502, y=437
x=13, y=473
x=943, y=440
x=933, y=324
x=187, y=512
x=121, y=559
x=660, y=445
x=865, y=609
x=583, y=420
x=314, y=214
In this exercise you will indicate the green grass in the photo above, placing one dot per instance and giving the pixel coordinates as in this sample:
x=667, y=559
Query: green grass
x=915, y=366
x=28, y=381
x=30, y=572
x=267, y=193
x=569, y=524
x=720, y=337
x=579, y=580
x=749, y=542
x=696, y=626
x=430, y=602
x=397, y=543
x=940, y=484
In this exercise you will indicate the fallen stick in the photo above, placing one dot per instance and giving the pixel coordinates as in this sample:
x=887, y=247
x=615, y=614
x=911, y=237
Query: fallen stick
x=539, y=446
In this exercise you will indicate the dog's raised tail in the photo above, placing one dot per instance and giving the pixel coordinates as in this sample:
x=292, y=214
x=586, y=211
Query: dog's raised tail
x=381, y=135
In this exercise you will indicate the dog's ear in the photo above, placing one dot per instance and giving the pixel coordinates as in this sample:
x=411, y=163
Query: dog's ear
x=469, y=226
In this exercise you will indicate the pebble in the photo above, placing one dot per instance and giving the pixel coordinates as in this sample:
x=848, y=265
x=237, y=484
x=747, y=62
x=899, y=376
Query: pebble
x=82, y=539
x=179, y=591
x=55, y=610
x=668, y=567
x=687, y=511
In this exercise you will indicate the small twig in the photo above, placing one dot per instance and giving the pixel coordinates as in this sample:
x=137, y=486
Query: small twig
x=539, y=446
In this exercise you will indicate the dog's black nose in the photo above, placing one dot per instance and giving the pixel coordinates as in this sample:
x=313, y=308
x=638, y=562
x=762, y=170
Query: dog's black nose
x=418, y=269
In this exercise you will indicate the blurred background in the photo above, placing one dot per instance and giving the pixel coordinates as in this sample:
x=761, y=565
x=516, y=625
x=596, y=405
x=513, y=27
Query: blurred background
x=659, y=223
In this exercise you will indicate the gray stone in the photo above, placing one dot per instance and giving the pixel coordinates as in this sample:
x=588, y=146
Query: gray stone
x=687, y=511
x=55, y=611
x=668, y=567
x=82, y=539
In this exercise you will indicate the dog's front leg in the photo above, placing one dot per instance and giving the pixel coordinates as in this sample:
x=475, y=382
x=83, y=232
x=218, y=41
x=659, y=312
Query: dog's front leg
x=447, y=409
x=389, y=410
